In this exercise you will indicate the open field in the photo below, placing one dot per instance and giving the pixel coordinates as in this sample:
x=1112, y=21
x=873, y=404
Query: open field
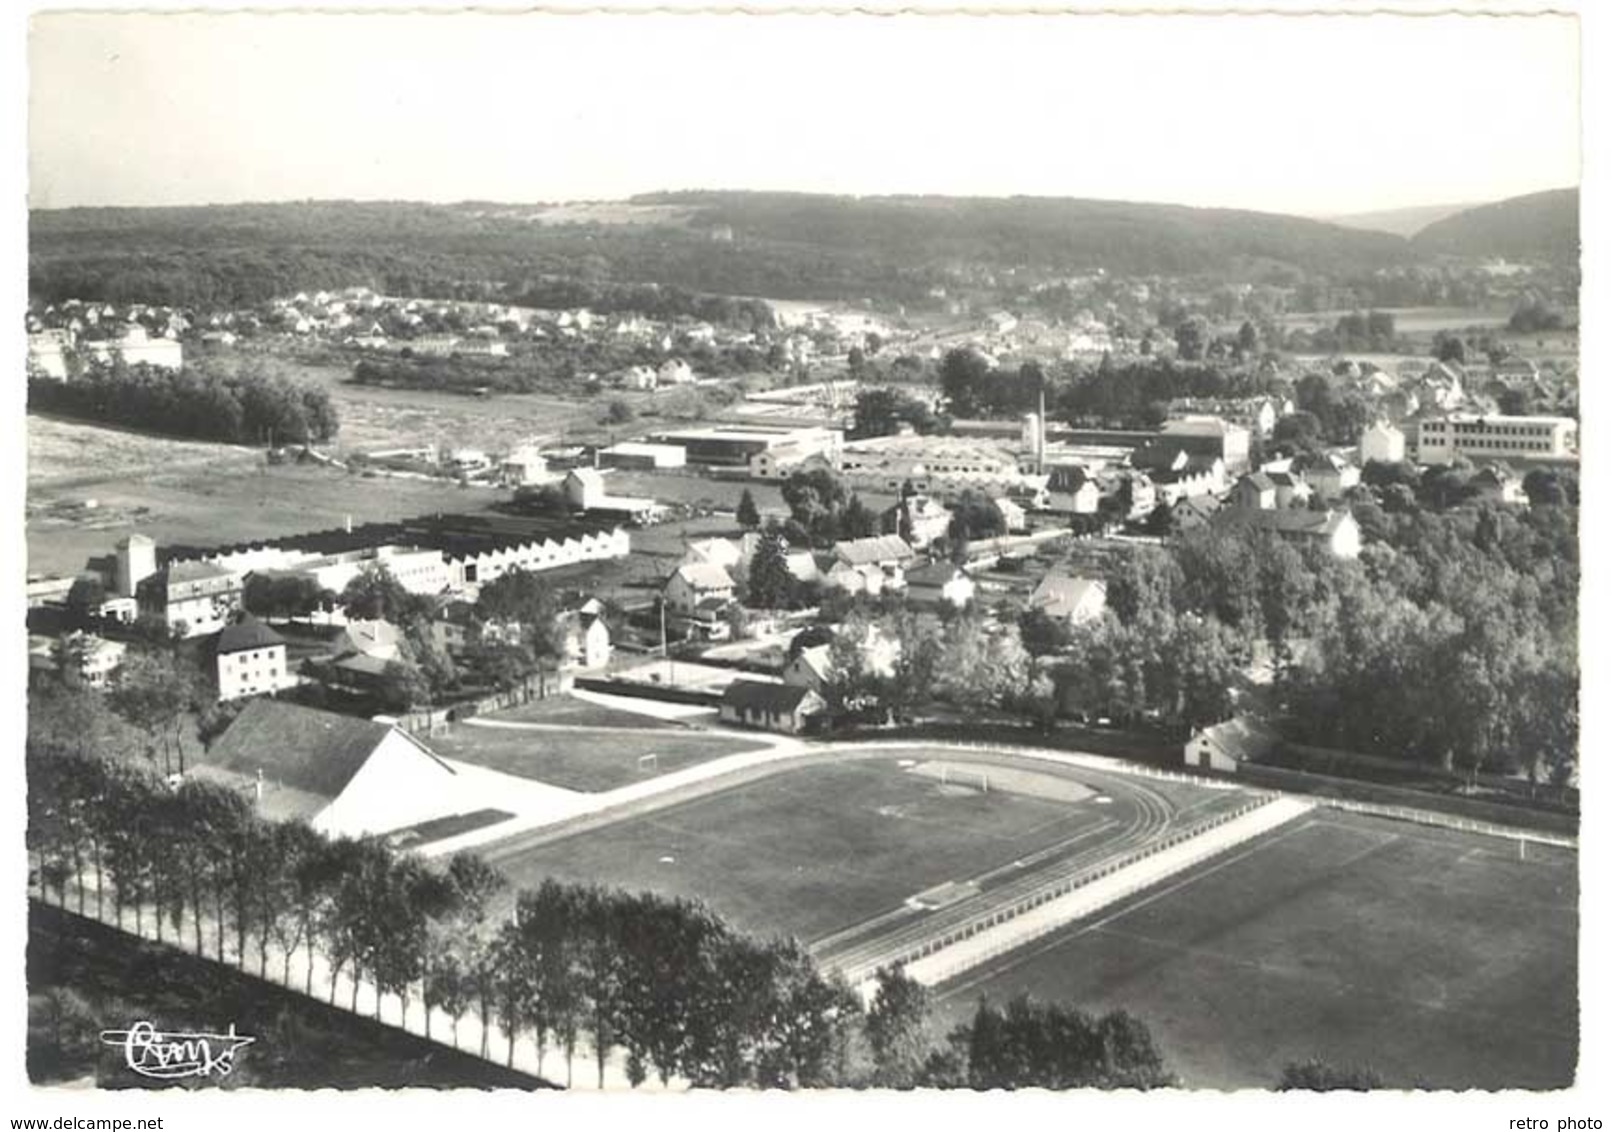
x=66, y=454
x=1437, y=957
x=373, y=417
x=570, y=711
x=587, y=760
x=300, y=1043
x=817, y=849
x=229, y=500
x=1412, y=320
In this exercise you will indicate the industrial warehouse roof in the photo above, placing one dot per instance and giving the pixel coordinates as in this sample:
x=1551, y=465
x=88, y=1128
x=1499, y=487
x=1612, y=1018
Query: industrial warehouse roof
x=451, y=534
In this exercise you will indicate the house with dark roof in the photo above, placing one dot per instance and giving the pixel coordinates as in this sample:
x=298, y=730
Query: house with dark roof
x=1291, y=488
x=812, y=668
x=1199, y=438
x=1193, y=511
x=940, y=583
x=1072, y=490
x=868, y=565
x=1328, y=474
x=249, y=659
x=1255, y=492
x=340, y=774
x=769, y=707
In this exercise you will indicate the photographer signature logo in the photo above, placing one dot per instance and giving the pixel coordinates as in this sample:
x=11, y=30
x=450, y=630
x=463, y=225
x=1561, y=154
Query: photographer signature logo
x=151, y=1052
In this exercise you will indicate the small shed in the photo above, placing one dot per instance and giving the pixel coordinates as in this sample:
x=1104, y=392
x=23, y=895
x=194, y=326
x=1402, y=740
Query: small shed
x=770, y=707
x=1227, y=745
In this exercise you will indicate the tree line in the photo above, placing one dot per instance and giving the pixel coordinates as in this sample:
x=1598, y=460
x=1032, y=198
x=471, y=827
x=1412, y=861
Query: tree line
x=248, y=405
x=1451, y=642
x=664, y=982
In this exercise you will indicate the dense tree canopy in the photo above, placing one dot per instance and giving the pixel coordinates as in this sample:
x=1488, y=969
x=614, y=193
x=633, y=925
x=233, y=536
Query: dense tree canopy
x=248, y=405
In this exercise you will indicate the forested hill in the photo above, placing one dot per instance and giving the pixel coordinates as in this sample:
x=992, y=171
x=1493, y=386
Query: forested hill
x=1056, y=232
x=1540, y=226
x=783, y=246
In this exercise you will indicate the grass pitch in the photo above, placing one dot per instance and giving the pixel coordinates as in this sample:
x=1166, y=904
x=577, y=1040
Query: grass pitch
x=812, y=850
x=591, y=761
x=1439, y=958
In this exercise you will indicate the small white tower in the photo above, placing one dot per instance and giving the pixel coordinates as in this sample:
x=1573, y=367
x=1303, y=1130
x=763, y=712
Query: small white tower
x=137, y=561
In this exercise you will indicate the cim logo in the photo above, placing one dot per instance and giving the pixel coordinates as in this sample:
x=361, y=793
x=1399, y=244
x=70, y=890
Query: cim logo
x=171, y=1056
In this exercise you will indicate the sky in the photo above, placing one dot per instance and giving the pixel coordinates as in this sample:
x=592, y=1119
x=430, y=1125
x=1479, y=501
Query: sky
x=1309, y=115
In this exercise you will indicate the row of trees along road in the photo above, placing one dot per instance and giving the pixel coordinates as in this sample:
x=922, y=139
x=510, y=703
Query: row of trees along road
x=665, y=982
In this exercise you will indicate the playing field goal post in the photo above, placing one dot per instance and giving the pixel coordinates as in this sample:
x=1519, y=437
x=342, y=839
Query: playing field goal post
x=973, y=779
x=649, y=764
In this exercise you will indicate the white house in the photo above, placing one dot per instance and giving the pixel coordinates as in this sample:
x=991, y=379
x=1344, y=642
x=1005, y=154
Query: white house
x=522, y=467
x=1013, y=514
x=250, y=660
x=1071, y=490
x=1227, y=745
x=695, y=582
x=98, y=658
x=585, y=490
x=585, y=638
x=1384, y=442
x=812, y=668
x=674, y=371
x=940, y=583
x=1335, y=531
x=887, y=554
x=198, y=596
x=1328, y=475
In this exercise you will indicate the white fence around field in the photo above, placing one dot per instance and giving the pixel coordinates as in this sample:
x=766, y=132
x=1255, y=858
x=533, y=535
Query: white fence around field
x=1007, y=932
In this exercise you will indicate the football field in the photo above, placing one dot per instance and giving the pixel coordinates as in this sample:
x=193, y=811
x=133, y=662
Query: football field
x=1439, y=958
x=818, y=849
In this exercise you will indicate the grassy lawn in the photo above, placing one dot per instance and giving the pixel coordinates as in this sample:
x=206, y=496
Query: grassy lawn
x=812, y=850
x=373, y=417
x=580, y=713
x=83, y=978
x=590, y=761
x=1439, y=958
